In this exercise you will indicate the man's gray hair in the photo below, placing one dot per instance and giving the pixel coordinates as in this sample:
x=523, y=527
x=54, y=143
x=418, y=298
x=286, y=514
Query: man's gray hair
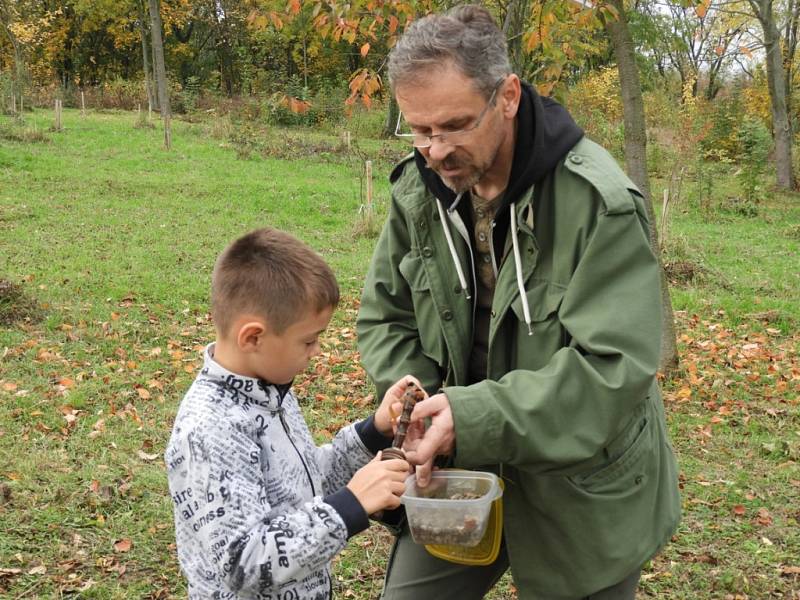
x=465, y=36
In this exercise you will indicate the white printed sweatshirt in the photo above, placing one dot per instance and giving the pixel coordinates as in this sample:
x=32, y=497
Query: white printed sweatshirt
x=259, y=510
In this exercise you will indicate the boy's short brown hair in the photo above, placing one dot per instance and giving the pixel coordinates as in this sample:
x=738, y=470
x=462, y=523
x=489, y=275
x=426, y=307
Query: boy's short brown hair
x=271, y=274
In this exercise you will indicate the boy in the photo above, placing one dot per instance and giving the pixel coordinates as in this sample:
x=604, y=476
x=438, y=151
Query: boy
x=260, y=511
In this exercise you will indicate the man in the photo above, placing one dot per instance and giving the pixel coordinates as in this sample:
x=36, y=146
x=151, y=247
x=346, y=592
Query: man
x=514, y=278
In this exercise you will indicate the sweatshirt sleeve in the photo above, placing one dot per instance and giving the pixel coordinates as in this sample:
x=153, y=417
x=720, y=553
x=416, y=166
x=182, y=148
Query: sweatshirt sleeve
x=222, y=511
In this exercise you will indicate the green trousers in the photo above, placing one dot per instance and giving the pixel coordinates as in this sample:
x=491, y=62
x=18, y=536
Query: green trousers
x=413, y=574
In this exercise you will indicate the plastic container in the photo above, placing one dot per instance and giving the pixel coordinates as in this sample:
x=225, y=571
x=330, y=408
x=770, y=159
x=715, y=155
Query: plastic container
x=457, y=516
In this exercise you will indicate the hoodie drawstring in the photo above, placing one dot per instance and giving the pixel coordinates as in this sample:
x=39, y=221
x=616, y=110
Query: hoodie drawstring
x=526, y=310
x=453, y=254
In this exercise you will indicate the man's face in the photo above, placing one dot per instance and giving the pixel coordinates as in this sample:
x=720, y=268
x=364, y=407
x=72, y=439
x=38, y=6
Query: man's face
x=444, y=101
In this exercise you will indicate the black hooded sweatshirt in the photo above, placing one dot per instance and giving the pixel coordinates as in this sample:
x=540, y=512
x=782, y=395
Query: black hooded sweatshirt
x=545, y=133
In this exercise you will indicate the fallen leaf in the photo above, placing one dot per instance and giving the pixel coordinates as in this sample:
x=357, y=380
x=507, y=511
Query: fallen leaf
x=40, y=570
x=739, y=510
x=148, y=457
x=143, y=393
x=123, y=545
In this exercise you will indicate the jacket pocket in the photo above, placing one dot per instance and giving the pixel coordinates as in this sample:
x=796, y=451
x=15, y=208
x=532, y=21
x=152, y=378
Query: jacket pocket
x=628, y=465
x=532, y=350
x=544, y=299
x=429, y=329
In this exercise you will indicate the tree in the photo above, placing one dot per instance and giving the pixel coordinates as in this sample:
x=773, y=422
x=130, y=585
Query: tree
x=636, y=160
x=776, y=83
x=161, y=71
x=698, y=40
x=144, y=32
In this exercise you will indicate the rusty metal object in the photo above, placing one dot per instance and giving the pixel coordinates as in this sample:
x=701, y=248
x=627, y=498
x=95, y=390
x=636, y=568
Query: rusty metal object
x=411, y=396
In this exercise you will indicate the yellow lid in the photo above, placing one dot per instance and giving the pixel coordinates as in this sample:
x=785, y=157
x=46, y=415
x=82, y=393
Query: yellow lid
x=486, y=551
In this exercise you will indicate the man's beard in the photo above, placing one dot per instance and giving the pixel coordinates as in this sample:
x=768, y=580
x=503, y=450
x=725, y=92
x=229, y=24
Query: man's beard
x=474, y=173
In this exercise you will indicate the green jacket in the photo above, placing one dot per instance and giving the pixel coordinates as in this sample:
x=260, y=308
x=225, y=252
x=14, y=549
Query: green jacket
x=571, y=416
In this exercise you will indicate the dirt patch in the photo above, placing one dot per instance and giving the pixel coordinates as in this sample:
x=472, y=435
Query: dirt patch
x=15, y=305
x=683, y=272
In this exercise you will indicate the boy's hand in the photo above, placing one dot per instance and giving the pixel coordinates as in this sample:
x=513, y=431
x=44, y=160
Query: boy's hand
x=378, y=485
x=392, y=405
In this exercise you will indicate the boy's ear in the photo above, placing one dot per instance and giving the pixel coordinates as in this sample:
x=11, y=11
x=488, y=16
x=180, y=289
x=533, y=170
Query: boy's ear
x=250, y=334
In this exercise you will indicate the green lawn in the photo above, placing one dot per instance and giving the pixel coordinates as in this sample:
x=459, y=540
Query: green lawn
x=111, y=241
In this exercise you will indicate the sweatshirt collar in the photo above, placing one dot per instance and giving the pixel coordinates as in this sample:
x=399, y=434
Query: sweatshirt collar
x=252, y=389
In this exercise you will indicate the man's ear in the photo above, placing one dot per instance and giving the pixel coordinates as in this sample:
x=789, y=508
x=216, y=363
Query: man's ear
x=510, y=96
x=250, y=334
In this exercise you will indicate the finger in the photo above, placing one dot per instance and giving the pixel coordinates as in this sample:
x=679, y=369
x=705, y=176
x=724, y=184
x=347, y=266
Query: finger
x=409, y=379
x=424, y=473
x=429, y=407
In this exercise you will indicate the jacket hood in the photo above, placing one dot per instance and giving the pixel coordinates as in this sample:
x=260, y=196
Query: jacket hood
x=545, y=133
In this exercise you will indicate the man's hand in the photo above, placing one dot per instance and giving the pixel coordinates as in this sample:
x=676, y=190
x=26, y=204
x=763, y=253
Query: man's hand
x=392, y=405
x=424, y=444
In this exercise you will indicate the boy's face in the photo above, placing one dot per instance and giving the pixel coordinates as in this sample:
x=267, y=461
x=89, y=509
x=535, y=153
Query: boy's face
x=279, y=357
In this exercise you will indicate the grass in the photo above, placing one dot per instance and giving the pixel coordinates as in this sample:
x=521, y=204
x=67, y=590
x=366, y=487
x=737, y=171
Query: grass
x=110, y=240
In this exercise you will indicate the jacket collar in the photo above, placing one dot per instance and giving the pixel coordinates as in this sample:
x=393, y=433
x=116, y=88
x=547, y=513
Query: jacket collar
x=256, y=391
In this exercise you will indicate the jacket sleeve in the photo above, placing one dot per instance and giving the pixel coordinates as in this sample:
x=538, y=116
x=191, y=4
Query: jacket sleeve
x=221, y=510
x=388, y=332
x=564, y=413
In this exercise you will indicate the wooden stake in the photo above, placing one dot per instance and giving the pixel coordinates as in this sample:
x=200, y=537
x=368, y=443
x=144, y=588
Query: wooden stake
x=149, y=109
x=83, y=105
x=664, y=215
x=347, y=139
x=368, y=169
x=14, y=102
x=167, y=131
x=57, y=125
x=139, y=112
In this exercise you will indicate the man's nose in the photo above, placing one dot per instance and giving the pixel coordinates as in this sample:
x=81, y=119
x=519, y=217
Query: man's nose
x=439, y=150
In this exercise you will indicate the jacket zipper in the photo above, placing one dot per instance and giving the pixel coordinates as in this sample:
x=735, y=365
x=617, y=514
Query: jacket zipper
x=296, y=449
x=285, y=426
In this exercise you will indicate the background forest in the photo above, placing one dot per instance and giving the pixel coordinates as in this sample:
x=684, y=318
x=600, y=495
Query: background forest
x=137, y=137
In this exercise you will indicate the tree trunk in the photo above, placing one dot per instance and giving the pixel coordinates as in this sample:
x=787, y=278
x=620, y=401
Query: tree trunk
x=513, y=28
x=392, y=113
x=161, y=71
x=148, y=78
x=776, y=83
x=636, y=161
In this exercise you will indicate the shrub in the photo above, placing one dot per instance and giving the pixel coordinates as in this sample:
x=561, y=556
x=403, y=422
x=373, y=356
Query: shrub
x=756, y=142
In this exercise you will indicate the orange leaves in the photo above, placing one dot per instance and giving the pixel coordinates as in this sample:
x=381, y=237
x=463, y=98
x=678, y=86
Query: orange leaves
x=123, y=545
x=365, y=50
x=293, y=7
x=363, y=85
x=701, y=8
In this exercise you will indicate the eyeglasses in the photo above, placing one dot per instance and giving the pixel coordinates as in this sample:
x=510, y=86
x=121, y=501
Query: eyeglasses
x=454, y=138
